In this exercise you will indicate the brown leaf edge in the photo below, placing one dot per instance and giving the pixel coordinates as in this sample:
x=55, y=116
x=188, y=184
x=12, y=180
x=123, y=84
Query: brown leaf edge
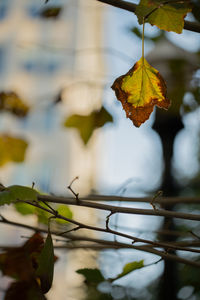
x=139, y=114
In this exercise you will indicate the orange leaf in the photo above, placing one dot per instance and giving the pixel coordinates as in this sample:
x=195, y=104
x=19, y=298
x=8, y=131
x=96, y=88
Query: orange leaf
x=140, y=90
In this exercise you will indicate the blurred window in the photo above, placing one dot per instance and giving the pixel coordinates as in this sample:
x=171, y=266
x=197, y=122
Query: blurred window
x=41, y=63
x=4, y=8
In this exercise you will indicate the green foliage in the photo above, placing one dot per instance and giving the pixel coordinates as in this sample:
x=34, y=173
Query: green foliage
x=42, y=215
x=17, y=192
x=92, y=276
x=165, y=15
x=87, y=124
x=130, y=267
x=65, y=211
x=46, y=264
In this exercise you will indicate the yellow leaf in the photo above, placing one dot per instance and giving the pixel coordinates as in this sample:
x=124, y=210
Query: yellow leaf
x=12, y=149
x=139, y=90
x=166, y=15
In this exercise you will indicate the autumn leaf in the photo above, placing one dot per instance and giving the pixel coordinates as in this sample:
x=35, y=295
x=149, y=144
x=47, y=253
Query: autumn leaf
x=140, y=90
x=12, y=149
x=166, y=15
x=11, y=102
x=20, y=262
x=87, y=124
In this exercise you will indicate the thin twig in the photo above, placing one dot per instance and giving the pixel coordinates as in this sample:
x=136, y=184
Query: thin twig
x=71, y=190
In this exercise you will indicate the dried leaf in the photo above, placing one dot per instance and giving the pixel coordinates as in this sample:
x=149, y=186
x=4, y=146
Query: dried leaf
x=20, y=262
x=87, y=124
x=165, y=15
x=140, y=90
x=24, y=290
x=12, y=149
x=11, y=102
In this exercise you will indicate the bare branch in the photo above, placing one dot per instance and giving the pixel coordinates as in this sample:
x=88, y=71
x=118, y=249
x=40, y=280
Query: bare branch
x=125, y=210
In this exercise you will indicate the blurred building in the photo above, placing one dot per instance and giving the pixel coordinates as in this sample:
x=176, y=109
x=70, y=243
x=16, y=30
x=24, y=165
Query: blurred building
x=42, y=58
x=45, y=59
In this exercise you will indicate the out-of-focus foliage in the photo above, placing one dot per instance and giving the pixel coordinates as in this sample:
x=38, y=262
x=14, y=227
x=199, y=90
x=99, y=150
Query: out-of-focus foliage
x=31, y=266
x=87, y=124
x=94, y=277
x=13, y=193
x=52, y=12
x=12, y=149
x=196, y=9
x=11, y=102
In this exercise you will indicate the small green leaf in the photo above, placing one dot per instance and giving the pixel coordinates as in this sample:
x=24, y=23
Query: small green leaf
x=24, y=208
x=65, y=211
x=17, y=192
x=46, y=265
x=130, y=267
x=91, y=275
x=87, y=124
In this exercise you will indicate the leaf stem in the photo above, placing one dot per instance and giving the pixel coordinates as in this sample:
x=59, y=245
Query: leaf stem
x=143, y=41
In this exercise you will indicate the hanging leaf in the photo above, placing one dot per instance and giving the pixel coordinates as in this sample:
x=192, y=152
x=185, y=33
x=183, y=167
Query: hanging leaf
x=87, y=124
x=46, y=265
x=128, y=268
x=166, y=15
x=12, y=149
x=17, y=192
x=140, y=90
x=11, y=102
x=93, y=276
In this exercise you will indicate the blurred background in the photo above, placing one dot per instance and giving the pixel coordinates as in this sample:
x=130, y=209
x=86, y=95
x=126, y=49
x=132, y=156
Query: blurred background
x=60, y=119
